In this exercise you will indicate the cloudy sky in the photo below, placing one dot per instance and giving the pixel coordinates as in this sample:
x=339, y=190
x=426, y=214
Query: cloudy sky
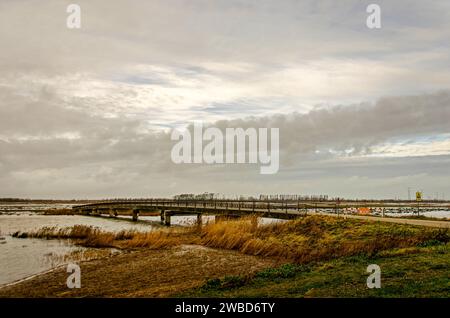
x=87, y=113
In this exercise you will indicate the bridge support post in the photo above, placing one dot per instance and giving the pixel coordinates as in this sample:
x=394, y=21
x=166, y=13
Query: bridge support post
x=167, y=218
x=135, y=215
x=199, y=219
x=162, y=216
x=112, y=213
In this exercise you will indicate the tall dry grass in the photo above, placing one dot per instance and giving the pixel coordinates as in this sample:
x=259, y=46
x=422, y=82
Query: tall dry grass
x=94, y=237
x=59, y=212
x=160, y=239
x=312, y=238
x=83, y=235
x=315, y=238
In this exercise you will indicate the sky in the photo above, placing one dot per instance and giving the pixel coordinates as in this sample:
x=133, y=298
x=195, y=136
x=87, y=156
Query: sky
x=88, y=112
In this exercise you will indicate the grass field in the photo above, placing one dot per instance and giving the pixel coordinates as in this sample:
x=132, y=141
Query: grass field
x=410, y=272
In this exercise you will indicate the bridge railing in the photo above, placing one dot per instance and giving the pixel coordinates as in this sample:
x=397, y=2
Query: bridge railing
x=254, y=205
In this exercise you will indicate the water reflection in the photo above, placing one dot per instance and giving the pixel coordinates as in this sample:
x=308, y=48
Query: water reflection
x=20, y=258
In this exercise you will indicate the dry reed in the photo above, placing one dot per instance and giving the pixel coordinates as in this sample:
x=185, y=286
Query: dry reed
x=312, y=238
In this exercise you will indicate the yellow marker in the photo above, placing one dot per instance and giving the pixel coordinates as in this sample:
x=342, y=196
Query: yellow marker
x=418, y=196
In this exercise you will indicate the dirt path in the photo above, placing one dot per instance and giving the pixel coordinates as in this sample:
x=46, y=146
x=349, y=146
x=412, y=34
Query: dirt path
x=143, y=273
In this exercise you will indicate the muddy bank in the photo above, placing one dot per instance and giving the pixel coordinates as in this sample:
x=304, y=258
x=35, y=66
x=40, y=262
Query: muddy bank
x=143, y=273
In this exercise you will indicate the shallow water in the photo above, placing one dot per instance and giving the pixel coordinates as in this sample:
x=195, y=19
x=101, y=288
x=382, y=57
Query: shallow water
x=20, y=258
x=28, y=222
x=431, y=214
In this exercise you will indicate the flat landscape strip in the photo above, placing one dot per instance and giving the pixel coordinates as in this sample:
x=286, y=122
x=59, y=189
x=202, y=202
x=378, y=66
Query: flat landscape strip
x=429, y=223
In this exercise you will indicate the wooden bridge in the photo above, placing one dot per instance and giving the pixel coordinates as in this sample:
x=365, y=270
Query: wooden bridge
x=279, y=209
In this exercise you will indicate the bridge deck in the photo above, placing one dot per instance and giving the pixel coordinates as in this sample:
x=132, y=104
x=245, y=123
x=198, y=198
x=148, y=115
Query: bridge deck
x=272, y=209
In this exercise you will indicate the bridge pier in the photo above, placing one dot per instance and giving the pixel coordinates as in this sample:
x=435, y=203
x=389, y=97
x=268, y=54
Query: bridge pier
x=162, y=216
x=167, y=216
x=112, y=213
x=135, y=215
x=199, y=219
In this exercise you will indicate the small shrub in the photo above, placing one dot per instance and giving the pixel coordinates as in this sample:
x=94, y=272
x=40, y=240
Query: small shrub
x=212, y=284
x=228, y=282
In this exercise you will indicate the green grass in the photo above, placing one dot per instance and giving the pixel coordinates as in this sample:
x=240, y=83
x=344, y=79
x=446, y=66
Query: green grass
x=405, y=272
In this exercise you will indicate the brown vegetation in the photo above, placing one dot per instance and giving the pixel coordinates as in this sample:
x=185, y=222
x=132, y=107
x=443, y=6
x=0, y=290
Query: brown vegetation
x=83, y=235
x=59, y=212
x=312, y=238
x=316, y=238
x=143, y=273
x=94, y=237
x=137, y=271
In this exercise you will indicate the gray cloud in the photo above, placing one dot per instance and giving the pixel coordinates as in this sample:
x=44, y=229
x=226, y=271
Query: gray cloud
x=48, y=143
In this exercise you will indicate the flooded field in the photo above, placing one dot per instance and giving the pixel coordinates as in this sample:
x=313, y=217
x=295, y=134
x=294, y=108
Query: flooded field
x=21, y=258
